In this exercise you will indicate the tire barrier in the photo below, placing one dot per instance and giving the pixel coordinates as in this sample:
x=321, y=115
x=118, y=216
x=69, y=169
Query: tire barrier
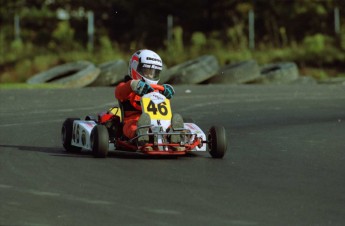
x=279, y=73
x=193, y=71
x=202, y=70
x=71, y=75
x=237, y=73
x=112, y=72
x=164, y=75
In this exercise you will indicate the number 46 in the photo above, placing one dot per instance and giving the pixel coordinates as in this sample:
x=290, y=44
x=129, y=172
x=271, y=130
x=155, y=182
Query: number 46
x=151, y=107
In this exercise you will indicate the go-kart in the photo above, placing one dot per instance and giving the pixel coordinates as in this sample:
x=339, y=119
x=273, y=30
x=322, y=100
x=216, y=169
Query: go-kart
x=105, y=133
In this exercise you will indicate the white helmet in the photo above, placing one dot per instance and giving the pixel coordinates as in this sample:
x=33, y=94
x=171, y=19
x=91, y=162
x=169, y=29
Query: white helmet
x=145, y=64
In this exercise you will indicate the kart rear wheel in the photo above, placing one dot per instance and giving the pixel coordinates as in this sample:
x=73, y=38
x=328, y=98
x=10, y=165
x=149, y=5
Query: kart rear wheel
x=99, y=141
x=217, y=141
x=66, y=135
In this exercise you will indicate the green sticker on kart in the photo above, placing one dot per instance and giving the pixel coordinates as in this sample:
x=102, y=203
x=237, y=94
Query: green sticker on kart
x=160, y=111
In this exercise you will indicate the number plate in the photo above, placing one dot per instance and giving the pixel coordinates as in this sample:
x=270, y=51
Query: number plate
x=158, y=111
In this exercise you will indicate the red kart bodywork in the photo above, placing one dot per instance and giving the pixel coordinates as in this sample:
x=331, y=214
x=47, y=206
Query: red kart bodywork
x=151, y=149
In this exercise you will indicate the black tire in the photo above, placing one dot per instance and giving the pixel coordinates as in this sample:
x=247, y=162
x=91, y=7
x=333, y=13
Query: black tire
x=72, y=75
x=66, y=135
x=99, y=141
x=237, y=73
x=112, y=72
x=279, y=73
x=193, y=71
x=217, y=141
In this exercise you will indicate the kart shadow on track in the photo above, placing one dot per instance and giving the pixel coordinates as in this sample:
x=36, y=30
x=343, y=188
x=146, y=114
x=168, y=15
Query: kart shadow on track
x=136, y=155
x=59, y=152
x=51, y=150
x=54, y=151
x=126, y=155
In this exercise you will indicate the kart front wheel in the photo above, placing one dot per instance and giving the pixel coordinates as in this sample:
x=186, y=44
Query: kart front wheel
x=99, y=141
x=217, y=141
x=66, y=135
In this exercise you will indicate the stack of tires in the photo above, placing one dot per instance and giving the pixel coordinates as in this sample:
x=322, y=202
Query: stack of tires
x=202, y=70
x=82, y=73
x=71, y=75
x=193, y=71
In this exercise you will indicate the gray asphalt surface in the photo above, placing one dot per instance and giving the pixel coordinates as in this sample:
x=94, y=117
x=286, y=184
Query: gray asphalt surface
x=285, y=163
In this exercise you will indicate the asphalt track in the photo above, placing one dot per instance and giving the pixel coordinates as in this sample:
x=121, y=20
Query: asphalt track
x=285, y=163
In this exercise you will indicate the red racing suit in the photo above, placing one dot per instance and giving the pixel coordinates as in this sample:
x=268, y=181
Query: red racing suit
x=123, y=93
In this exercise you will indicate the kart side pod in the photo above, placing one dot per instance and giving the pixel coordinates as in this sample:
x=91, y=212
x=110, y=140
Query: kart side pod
x=81, y=133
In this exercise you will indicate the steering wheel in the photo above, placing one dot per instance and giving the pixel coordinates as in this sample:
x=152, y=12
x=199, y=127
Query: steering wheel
x=133, y=97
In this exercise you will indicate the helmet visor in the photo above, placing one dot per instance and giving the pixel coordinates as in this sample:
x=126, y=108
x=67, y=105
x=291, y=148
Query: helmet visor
x=150, y=71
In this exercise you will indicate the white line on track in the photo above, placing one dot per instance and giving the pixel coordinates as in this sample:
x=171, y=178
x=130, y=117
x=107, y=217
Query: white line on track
x=61, y=110
x=30, y=123
x=54, y=195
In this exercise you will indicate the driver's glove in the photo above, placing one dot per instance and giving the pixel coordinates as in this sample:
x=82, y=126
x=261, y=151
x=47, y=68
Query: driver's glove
x=168, y=91
x=140, y=87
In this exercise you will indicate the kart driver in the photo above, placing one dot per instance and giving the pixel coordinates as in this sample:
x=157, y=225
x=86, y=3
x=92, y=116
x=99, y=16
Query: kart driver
x=144, y=69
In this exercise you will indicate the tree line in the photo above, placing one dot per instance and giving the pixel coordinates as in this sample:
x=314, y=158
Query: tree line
x=277, y=22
